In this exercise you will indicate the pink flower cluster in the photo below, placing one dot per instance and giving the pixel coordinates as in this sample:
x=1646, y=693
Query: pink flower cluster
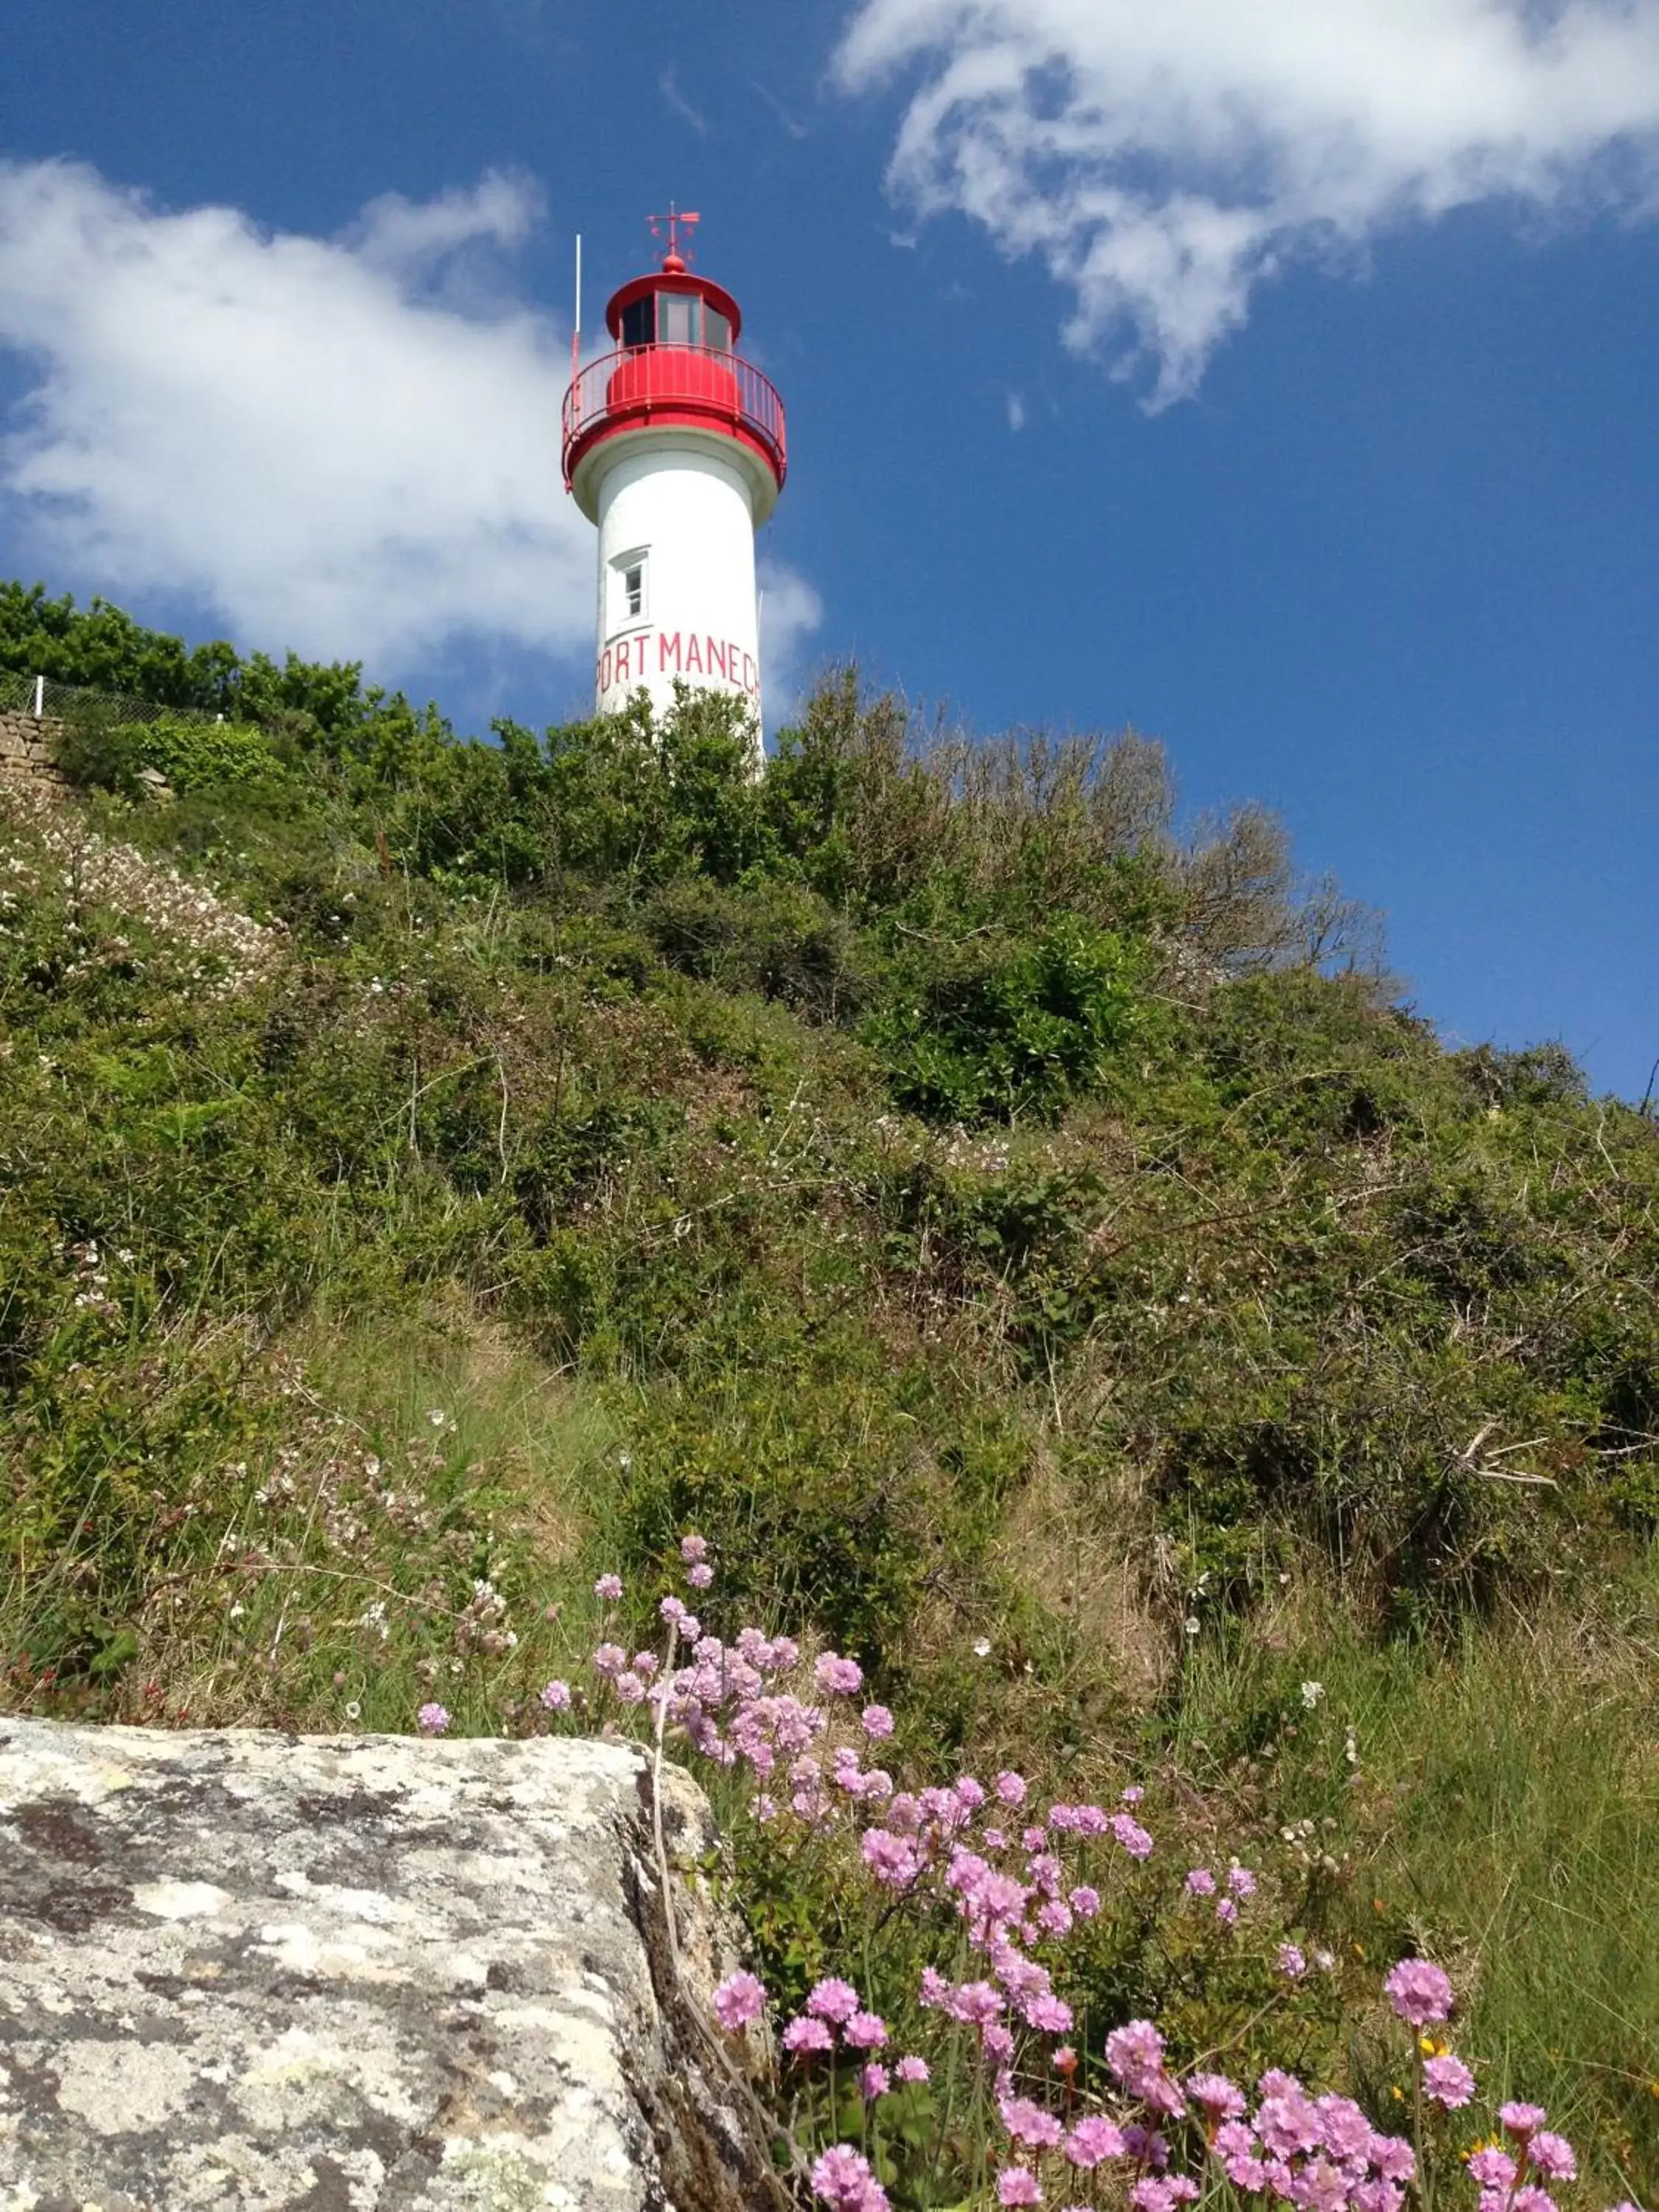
x=842, y=2179
x=1319, y=2153
x=738, y=2000
x=1005, y=1876
x=1419, y=1992
x=1513, y=2180
x=835, y=2015
x=1236, y=1887
x=694, y=1552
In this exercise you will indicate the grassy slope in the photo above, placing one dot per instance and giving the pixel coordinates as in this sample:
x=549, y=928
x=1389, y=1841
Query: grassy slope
x=1118, y=1290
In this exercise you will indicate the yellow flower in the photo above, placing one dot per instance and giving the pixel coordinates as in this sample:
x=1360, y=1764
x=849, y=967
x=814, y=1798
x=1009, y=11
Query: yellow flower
x=1430, y=2048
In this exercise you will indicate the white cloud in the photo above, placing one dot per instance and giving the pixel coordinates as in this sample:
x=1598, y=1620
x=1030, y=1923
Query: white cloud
x=1165, y=156
x=669, y=85
x=348, y=445
x=791, y=123
x=309, y=435
x=413, y=239
x=1016, y=407
x=790, y=611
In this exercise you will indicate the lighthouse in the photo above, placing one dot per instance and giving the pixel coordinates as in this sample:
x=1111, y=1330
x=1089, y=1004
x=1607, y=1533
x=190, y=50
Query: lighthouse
x=674, y=447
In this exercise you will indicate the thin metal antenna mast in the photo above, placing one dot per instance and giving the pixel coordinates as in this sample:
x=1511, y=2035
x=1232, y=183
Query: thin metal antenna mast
x=576, y=328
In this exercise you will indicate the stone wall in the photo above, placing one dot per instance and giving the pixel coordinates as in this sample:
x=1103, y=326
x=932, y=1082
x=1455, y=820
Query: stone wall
x=26, y=746
x=357, y=1974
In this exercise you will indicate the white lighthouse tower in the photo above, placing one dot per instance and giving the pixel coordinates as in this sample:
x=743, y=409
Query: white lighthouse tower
x=674, y=445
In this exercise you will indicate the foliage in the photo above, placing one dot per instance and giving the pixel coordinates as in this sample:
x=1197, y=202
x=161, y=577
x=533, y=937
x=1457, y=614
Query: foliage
x=195, y=756
x=98, y=750
x=313, y=708
x=1027, y=1237
x=1011, y=1031
x=979, y=1982
x=102, y=649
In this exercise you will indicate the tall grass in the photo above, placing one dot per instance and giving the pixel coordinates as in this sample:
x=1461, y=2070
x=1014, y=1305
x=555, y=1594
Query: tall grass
x=316, y=1559
x=1500, y=1809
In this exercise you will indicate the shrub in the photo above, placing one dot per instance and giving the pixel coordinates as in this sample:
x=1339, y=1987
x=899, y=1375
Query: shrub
x=993, y=1029
x=198, y=755
x=777, y=938
x=98, y=750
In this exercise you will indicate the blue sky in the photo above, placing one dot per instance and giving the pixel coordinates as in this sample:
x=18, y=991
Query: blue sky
x=1278, y=376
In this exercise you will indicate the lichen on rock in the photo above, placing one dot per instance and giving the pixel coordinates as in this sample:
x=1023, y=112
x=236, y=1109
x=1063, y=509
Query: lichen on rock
x=354, y=1974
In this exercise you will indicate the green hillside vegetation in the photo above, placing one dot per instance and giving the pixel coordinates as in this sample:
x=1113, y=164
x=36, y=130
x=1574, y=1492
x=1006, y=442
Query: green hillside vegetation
x=1035, y=1243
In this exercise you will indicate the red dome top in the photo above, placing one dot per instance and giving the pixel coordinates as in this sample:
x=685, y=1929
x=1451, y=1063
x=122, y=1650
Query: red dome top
x=675, y=369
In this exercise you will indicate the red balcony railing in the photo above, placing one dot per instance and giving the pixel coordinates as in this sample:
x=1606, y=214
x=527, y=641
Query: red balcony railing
x=676, y=384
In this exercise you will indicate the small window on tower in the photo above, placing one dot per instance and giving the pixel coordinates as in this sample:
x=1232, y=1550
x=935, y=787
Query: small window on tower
x=639, y=322
x=627, y=589
x=716, y=330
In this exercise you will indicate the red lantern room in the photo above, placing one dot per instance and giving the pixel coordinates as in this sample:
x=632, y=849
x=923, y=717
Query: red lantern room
x=675, y=367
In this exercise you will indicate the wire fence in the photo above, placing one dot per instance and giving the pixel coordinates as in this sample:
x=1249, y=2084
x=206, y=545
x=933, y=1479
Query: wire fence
x=49, y=701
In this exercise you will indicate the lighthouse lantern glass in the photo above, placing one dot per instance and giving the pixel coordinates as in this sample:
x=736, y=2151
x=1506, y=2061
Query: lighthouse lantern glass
x=677, y=318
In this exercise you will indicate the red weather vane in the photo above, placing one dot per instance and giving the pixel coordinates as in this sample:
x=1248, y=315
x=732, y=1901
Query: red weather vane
x=676, y=222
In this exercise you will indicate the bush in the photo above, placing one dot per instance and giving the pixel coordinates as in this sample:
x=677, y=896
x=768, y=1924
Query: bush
x=1001, y=1028
x=99, y=751
x=198, y=755
x=776, y=938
